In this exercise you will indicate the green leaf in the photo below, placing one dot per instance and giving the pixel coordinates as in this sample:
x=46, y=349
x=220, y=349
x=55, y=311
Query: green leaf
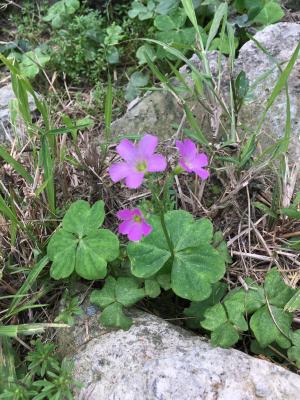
x=294, y=303
x=170, y=22
x=81, y=219
x=105, y=296
x=93, y=253
x=272, y=12
x=113, y=316
x=221, y=246
x=291, y=212
x=80, y=245
x=143, y=51
x=225, y=335
x=128, y=291
x=62, y=252
x=194, y=270
x=152, y=288
x=215, y=316
x=32, y=61
x=195, y=264
x=197, y=308
x=166, y=6
x=276, y=291
x=294, y=354
x=271, y=326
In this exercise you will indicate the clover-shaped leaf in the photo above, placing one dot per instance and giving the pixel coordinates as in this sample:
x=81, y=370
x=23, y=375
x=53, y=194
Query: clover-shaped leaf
x=194, y=265
x=277, y=292
x=197, y=309
x=116, y=294
x=224, y=332
x=271, y=324
x=172, y=30
x=79, y=245
x=294, y=351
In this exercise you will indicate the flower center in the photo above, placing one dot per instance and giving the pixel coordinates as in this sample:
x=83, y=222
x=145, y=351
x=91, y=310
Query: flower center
x=137, y=218
x=141, y=166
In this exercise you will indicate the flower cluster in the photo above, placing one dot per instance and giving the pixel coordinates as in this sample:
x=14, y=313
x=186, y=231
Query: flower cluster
x=140, y=159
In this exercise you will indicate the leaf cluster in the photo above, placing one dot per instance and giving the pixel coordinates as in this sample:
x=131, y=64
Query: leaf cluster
x=80, y=246
x=193, y=263
x=262, y=311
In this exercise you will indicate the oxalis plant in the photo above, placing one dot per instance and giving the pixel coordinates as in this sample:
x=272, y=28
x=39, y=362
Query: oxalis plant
x=168, y=249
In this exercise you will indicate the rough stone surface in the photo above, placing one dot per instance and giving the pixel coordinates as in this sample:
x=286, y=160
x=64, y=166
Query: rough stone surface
x=155, y=360
x=156, y=112
x=6, y=95
x=280, y=40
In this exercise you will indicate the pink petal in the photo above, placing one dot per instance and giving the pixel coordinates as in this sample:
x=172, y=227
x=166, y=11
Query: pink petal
x=146, y=228
x=156, y=163
x=125, y=214
x=147, y=145
x=134, y=179
x=135, y=232
x=201, y=160
x=187, y=149
x=127, y=150
x=184, y=166
x=137, y=211
x=119, y=171
x=125, y=227
x=203, y=173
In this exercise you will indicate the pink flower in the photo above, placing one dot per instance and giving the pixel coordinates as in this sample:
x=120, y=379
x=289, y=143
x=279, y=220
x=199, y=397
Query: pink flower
x=190, y=160
x=134, y=224
x=139, y=159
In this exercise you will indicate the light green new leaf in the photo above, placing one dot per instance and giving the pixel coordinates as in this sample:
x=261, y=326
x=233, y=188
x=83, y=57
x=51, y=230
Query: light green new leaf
x=225, y=335
x=197, y=309
x=272, y=12
x=93, y=253
x=128, y=291
x=152, y=288
x=215, y=316
x=105, y=296
x=294, y=303
x=277, y=292
x=62, y=252
x=113, y=316
x=271, y=326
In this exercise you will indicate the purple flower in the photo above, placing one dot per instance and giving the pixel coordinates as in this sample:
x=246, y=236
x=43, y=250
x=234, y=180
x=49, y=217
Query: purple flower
x=139, y=159
x=134, y=224
x=190, y=160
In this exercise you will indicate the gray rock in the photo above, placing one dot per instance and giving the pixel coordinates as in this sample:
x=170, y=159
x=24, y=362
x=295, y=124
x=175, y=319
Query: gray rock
x=155, y=360
x=280, y=40
x=155, y=113
x=6, y=130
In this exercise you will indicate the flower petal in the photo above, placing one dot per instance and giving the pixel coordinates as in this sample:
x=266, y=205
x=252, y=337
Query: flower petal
x=119, y=171
x=134, y=179
x=184, y=166
x=147, y=145
x=125, y=227
x=135, y=232
x=156, y=163
x=127, y=150
x=125, y=214
x=146, y=228
x=201, y=160
x=203, y=173
x=187, y=149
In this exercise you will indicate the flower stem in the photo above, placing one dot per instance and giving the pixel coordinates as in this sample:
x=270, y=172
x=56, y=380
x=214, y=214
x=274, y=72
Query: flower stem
x=166, y=233
x=161, y=208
